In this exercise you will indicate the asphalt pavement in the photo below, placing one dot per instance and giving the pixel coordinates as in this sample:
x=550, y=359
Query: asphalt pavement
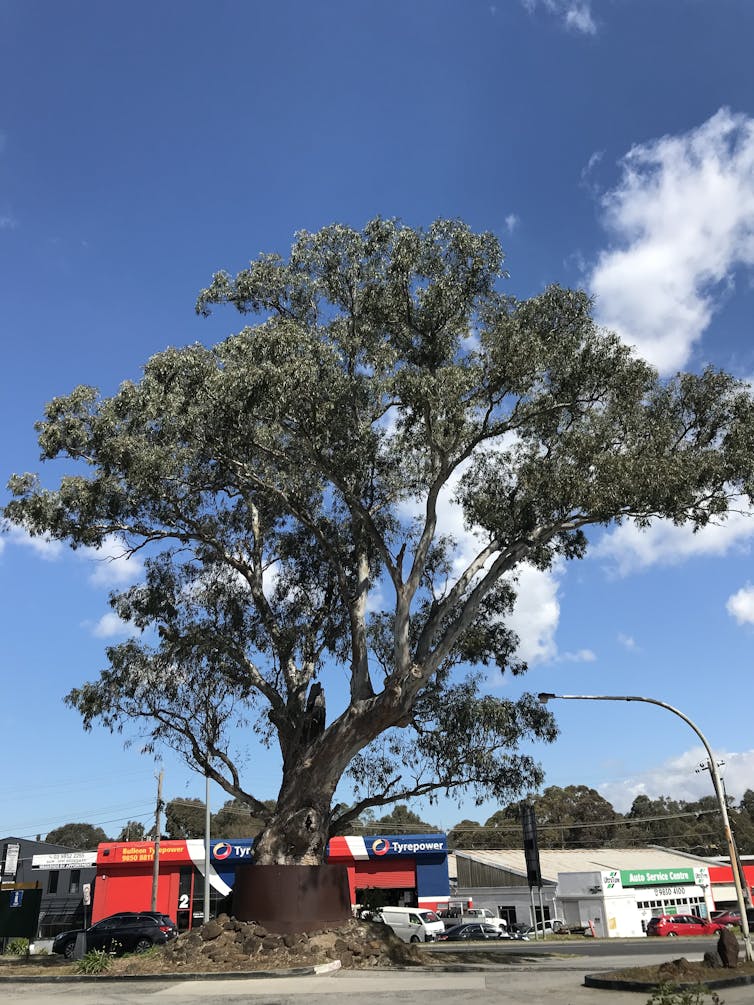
x=554, y=980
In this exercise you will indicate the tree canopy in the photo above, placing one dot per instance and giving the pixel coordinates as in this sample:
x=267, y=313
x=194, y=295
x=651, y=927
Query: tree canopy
x=84, y=837
x=402, y=820
x=285, y=486
x=133, y=830
x=579, y=817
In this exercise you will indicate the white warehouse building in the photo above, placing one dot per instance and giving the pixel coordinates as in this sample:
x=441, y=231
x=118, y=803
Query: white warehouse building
x=613, y=891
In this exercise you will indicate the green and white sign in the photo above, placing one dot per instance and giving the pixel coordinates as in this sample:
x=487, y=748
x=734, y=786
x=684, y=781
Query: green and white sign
x=656, y=877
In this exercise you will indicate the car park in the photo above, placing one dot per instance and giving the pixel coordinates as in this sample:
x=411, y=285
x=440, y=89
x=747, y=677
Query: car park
x=473, y=931
x=126, y=932
x=672, y=925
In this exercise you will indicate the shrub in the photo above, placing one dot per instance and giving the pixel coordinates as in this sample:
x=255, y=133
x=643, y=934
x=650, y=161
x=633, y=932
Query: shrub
x=671, y=994
x=17, y=947
x=96, y=961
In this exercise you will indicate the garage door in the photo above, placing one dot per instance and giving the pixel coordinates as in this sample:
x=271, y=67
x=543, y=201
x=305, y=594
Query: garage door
x=386, y=874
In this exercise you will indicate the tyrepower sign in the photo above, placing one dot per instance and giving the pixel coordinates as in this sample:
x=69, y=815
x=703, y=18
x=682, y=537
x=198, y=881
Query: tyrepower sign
x=359, y=849
x=656, y=877
x=406, y=845
x=231, y=851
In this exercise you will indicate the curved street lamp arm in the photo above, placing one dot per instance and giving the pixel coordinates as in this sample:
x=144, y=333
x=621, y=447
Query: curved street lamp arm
x=544, y=696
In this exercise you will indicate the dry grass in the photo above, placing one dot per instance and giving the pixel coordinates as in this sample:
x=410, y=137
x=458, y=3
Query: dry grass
x=679, y=971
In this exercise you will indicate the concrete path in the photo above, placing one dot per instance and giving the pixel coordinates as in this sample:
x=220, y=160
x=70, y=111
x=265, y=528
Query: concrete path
x=550, y=982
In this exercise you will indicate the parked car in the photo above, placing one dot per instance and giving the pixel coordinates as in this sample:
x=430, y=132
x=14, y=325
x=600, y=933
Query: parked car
x=126, y=932
x=452, y=916
x=727, y=918
x=547, y=928
x=682, y=924
x=165, y=922
x=473, y=931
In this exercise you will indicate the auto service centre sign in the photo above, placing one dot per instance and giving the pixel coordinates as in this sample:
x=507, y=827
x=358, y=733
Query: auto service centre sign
x=656, y=877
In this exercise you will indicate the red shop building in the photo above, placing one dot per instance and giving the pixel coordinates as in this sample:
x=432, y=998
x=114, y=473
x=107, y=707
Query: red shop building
x=413, y=868
x=723, y=887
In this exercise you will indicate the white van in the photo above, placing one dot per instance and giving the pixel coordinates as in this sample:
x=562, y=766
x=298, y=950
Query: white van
x=451, y=916
x=413, y=924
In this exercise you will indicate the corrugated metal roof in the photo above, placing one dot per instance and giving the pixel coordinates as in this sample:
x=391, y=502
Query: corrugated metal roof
x=553, y=861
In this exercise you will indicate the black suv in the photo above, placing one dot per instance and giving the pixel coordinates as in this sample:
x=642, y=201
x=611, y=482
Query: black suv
x=127, y=932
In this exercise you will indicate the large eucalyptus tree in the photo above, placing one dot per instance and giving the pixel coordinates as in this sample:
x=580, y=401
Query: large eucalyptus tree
x=283, y=487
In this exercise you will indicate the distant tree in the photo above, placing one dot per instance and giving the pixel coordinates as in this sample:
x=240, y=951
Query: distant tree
x=234, y=819
x=364, y=823
x=134, y=830
x=742, y=823
x=184, y=818
x=572, y=817
x=747, y=803
x=654, y=821
x=84, y=837
x=690, y=826
x=283, y=481
x=503, y=828
x=402, y=820
x=468, y=834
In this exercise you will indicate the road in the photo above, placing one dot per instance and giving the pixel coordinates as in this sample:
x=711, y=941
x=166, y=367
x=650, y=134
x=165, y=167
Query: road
x=542, y=980
x=544, y=987
x=691, y=948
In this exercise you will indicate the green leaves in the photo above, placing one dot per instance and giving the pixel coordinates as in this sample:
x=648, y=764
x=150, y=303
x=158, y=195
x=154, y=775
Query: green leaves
x=285, y=489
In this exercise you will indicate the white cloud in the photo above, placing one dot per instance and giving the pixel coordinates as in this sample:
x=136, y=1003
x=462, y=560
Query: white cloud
x=8, y=221
x=43, y=547
x=580, y=656
x=110, y=626
x=588, y=172
x=578, y=16
x=628, y=549
x=740, y=605
x=681, y=221
x=575, y=14
x=111, y=566
x=536, y=613
x=511, y=222
x=627, y=641
x=678, y=778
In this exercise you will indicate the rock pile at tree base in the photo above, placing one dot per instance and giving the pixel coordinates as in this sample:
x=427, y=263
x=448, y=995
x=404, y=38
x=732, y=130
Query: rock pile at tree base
x=227, y=945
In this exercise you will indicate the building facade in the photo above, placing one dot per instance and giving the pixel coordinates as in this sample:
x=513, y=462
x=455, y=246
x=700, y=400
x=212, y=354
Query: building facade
x=611, y=891
x=412, y=868
x=64, y=876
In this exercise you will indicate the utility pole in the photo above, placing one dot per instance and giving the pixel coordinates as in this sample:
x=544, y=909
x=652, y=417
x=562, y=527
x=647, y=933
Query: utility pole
x=156, y=865
x=207, y=824
x=545, y=696
x=738, y=864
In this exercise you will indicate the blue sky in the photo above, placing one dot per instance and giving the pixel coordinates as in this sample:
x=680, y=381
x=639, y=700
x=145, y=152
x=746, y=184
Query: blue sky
x=609, y=144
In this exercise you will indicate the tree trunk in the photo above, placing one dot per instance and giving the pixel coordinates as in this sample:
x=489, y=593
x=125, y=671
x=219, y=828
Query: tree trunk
x=297, y=834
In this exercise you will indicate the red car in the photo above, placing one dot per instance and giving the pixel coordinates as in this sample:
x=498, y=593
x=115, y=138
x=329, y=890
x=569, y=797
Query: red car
x=727, y=917
x=682, y=924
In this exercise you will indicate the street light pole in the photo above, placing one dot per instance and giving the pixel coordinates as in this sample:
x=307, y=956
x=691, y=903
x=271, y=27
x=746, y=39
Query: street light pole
x=207, y=819
x=546, y=696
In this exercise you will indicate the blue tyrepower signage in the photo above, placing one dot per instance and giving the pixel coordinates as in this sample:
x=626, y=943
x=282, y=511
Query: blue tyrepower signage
x=405, y=845
x=238, y=850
